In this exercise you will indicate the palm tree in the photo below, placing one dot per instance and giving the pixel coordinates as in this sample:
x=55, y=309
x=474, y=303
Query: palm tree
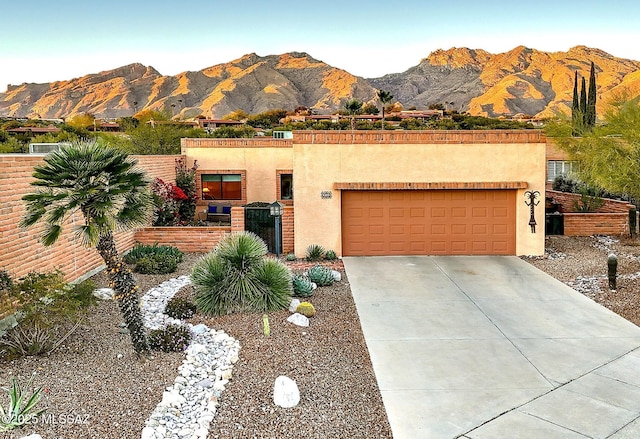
x=353, y=107
x=102, y=184
x=385, y=97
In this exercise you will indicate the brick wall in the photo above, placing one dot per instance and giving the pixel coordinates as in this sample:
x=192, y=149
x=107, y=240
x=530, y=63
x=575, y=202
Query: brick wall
x=237, y=219
x=21, y=250
x=419, y=137
x=587, y=224
x=287, y=231
x=566, y=201
x=187, y=239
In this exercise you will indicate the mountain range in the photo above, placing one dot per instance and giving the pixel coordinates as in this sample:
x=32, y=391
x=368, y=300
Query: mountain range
x=522, y=80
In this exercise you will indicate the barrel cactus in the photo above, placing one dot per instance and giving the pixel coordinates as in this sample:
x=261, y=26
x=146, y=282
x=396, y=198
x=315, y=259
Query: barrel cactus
x=320, y=275
x=302, y=286
x=306, y=309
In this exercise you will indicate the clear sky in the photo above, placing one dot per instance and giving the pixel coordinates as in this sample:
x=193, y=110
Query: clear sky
x=45, y=40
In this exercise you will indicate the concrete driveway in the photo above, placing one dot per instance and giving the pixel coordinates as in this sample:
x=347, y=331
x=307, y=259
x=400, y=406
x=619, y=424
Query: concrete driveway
x=491, y=347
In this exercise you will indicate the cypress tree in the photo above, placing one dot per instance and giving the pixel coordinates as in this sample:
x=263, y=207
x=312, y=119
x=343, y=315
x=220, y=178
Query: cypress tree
x=575, y=106
x=591, y=98
x=583, y=102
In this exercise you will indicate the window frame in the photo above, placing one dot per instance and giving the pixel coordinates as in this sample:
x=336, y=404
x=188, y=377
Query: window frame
x=279, y=174
x=241, y=174
x=567, y=168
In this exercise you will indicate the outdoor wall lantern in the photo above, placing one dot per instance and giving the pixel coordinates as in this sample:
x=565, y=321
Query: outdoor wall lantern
x=276, y=210
x=531, y=200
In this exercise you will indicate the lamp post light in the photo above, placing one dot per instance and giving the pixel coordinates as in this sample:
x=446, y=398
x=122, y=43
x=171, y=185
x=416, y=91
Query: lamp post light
x=276, y=209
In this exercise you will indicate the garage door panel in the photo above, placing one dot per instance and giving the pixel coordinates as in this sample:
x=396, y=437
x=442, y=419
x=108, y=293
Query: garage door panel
x=479, y=212
x=479, y=229
x=428, y=222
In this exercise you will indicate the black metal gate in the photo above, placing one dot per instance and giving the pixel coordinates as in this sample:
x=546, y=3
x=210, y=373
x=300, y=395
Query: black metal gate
x=258, y=219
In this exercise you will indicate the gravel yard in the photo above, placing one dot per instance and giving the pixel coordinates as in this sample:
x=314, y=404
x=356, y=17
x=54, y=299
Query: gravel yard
x=97, y=388
x=581, y=262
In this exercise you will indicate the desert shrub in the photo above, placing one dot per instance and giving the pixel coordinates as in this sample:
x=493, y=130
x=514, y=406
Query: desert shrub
x=320, y=275
x=180, y=308
x=315, y=252
x=172, y=338
x=330, y=255
x=302, y=286
x=306, y=309
x=141, y=250
x=156, y=264
x=49, y=311
x=5, y=280
x=237, y=277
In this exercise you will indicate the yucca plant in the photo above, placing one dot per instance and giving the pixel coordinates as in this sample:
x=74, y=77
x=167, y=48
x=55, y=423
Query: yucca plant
x=21, y=409
x=237, y=277
x=315, y=252
x=320, y=275
x=302, y=286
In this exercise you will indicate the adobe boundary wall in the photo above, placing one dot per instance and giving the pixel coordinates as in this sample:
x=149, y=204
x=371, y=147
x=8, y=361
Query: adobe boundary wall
x=22, y=251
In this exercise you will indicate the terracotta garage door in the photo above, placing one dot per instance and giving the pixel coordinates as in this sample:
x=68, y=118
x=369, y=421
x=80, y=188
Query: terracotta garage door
x=428, y=222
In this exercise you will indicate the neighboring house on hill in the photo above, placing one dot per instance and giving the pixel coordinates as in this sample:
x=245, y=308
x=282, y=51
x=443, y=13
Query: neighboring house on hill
x=213, y=124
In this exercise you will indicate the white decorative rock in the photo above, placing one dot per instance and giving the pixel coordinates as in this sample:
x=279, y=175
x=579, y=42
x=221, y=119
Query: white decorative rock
x=294, y=305
x=336, y=275
x=200, y=328
x=313, y=286
x=147, y=433
x=172, y=399
x=103, y=293
x=298, y=319
x=32, y=436
x=285, y=392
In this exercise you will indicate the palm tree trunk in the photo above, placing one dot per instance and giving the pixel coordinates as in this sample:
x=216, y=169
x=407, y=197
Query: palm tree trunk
x=126, y=292
x=382, y=126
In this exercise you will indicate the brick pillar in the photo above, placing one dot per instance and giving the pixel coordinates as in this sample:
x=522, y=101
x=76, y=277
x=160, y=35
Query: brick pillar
x=237, y=219
x=287, y=230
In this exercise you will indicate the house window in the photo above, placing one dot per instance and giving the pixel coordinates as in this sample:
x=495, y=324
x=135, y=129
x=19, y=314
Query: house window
x=560, y=167
x=286, y=186
x=221, y=187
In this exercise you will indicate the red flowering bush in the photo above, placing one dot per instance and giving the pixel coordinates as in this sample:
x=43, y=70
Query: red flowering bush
x=186, y=180
x=166, y=198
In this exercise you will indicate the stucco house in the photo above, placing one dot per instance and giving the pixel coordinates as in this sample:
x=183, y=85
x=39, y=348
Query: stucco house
x=387, y=192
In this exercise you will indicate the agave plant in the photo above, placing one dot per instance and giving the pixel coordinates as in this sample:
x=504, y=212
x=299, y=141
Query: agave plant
x=302, y=286
x=315, y=252
x=237, y=277
x=21, y=409
x=320, y=275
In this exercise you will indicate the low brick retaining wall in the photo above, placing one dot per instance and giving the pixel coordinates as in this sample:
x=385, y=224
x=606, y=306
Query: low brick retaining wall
x=187, y=239
x=610, y=219
x=587, y=224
